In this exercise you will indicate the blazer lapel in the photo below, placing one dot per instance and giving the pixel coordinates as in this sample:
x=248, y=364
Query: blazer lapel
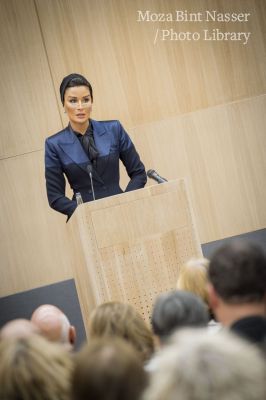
x=73, y=148
x=103, y=142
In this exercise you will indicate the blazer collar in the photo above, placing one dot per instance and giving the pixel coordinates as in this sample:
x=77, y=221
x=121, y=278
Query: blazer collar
x=71, y=145
x=69, y=136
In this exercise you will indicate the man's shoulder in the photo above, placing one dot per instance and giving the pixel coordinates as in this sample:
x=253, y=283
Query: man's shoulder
x=250, y=320
x=252, y=327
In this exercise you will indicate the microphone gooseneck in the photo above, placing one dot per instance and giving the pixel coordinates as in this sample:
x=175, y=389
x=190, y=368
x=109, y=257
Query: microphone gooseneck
x=89, y=170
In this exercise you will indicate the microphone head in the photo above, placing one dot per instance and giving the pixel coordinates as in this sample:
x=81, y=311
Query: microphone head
x=89, y=168
x=150, y=173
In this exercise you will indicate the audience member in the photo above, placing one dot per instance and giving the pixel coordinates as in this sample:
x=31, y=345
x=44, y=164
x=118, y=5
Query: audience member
x=177, y=309
x=122, y=320
x=108, y=369
x=32, y=368
x=18, y=328
x=197, y=366
x=54, y=325
x=193, y=277
x=237, y=289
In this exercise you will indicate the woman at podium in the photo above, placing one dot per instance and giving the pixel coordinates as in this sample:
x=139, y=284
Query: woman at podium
x=87, y=152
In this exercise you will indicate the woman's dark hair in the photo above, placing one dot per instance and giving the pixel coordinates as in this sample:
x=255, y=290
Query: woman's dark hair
x=108, y=368
x=73, y=80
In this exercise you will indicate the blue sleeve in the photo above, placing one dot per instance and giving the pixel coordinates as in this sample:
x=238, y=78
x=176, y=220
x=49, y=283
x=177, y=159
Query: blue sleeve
x=131, y=160
x=55, y=182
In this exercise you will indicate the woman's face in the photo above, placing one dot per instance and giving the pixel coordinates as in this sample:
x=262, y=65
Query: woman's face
x=78, y=104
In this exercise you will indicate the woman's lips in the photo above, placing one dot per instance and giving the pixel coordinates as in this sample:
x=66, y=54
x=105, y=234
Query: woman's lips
x=80, y=115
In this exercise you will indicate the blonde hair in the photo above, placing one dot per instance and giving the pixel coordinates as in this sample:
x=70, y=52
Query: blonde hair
x=193, y=277
x=34, y=369
x=122, y=320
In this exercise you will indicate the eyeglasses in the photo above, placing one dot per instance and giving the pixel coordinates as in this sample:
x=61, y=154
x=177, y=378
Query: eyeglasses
x=86, y=103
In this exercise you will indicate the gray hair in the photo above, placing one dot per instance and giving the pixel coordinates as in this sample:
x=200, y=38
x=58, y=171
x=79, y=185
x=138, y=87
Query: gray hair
x=177, y=309
x=198, y=366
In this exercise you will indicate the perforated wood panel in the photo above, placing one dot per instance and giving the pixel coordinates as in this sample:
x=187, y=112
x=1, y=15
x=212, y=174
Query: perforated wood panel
x=164, y=94
x=134, y=244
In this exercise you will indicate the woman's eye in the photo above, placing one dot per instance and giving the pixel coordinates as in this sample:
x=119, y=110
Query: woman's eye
x=72, y=101
x=86, y=100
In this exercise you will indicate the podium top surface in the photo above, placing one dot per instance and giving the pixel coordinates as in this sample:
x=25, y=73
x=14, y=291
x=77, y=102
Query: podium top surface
x=147, y=191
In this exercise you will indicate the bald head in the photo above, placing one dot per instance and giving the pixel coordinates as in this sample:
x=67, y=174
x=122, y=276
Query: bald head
x=18, y=328
x=54, y=324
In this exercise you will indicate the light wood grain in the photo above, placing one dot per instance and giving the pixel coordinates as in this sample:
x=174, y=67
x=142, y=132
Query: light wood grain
x=28, y=104
x=222, y=153
x=32, y=247
x=138, y=81
x=194, y=110
x=137, y=253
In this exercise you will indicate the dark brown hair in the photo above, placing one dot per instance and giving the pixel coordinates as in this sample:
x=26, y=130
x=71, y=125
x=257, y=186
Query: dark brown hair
x=237, y=272
x=108, y=369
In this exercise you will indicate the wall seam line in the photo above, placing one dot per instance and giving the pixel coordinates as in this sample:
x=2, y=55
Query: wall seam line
x=47, y=58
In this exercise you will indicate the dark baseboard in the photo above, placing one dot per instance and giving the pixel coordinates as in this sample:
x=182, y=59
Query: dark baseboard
x=258, y=237
x=62, y=294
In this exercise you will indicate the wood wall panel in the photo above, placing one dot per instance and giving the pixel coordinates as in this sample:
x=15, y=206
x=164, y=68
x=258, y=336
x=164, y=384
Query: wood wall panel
x=138, y=81
x=194, y=110
x=130, y=247
x=32, y=247
x=222, y=152
x=28, y=105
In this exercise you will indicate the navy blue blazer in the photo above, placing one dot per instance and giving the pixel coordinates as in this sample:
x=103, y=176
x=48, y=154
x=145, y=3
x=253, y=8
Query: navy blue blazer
x=65, y=156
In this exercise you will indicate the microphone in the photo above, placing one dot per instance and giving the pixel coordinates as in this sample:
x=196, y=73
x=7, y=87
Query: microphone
x=153, y=175
x=89, y=170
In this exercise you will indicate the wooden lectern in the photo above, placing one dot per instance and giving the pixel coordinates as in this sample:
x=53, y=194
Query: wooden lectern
x=129, y=247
